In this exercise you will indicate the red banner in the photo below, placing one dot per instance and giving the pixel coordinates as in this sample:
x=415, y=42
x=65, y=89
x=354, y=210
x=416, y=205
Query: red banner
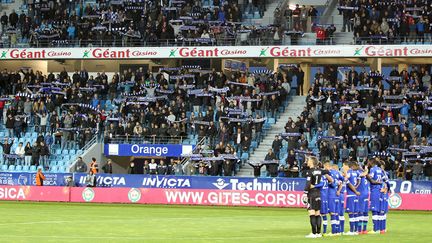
x=35, y=193
x=397, y=201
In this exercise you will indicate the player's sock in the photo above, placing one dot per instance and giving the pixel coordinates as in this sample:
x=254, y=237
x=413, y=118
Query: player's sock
x=333, y=224
x=324, y=221
x=359, y=222
x=384, y=222
x=318, y=223
x=341, y=224
x=313, y=223
x=351, y=222
x=365, y=221
x=375, y=221
x=381, y=221
x=356, y=222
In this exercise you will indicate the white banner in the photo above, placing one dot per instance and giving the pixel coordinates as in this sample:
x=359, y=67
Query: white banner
x=336, y=51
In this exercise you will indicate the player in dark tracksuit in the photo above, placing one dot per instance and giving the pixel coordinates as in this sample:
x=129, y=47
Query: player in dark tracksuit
x=312, y=190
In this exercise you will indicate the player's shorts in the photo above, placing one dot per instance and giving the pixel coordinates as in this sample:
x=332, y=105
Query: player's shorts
x=324, y=207
x=375, y=201
x=314, y=202
x=352, y=204
x=341, y=208
x=333, y=205
x=363, y=204
x=384, y=204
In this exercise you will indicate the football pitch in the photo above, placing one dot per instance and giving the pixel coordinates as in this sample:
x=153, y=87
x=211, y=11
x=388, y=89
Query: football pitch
x=73, y=222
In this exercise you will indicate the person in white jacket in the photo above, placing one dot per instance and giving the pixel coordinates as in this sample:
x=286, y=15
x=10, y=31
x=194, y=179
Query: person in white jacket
x=19, y=151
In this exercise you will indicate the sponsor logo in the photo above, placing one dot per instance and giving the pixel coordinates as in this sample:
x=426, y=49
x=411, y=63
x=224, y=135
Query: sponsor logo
x=106, y=181
x=395, y=201
x=88, y=194
x=263, y=52
x=173, y=52
x=12, y=193
x=382, y=51
x=134, y=195
x=3, y=54
x=357, y=51
x=86, y=53
x=255, y=184
x=149, y=150
x=22, y=179
x=37, y=54
x=123, y=53
x=220, y=184
x=290, y=52
x=213, y=52
x=166, y=182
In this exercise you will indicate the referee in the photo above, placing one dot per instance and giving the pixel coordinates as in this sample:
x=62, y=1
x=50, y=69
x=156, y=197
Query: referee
x=312, y=190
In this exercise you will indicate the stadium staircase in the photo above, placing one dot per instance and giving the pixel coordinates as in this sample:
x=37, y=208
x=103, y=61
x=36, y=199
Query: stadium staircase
x=294, y=109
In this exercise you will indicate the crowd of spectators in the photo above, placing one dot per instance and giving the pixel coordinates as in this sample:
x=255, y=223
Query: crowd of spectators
x=136, y=23
x=182, y=104
x=387, y=21
x=361, y=115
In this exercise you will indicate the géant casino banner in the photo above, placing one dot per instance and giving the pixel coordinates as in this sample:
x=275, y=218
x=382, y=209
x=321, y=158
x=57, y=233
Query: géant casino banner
x=199, y=190
x=335, y=51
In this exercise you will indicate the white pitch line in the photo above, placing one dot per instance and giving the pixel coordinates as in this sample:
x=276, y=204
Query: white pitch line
x=149, y=238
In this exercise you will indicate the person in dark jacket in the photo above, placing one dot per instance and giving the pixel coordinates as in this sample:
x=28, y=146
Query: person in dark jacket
x=271, y=164
x=131, y=168
x=276, y=146
x=10, y=125
x=44, y=153
x=27, y=154
x=6, y=149
x=80, y=166
x=35, y=154
x=107, y=168
x=162, y=168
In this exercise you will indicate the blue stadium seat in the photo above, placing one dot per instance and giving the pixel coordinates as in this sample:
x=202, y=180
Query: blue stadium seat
x=32, y=168
x=72, y=151
x=4, y=167
x=65, y=152
x=18, y=168
x=58, y=151
x=26, y=168
x=271, y=121
x=53, y=168
x=244, y=156
x=11, y=168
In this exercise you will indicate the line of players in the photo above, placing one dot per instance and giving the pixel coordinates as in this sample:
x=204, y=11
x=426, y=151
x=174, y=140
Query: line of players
x=363, y=189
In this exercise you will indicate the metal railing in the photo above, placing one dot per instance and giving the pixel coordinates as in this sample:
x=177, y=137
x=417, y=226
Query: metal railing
x=83, y=150
x=152, y=139
x=198, y=145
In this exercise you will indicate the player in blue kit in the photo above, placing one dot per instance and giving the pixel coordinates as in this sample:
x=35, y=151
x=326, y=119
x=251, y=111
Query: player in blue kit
x=334, y=198
x=375, y=177
x=324, y=203
x=341, y=193
x=385, y=189
x=364, y=189
x=353, y=180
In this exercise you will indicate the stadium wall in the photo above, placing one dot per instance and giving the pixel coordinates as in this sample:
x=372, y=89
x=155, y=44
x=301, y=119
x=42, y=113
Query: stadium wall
x=189, y=190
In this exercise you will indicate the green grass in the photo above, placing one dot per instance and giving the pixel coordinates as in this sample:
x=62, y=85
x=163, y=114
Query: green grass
x=60, y=222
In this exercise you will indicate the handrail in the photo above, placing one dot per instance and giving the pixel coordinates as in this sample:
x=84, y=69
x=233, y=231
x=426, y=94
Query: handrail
x=86, y=147
x=201, y=142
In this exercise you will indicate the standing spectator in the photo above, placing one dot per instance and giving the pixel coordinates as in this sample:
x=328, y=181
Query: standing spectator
x=107, y=168
x=6, y=149
x=13, y=19
x=80, y=166
x=177, y=168
x=276, y=146
x=417, y=170
x=300, y=81
x=162, y=168
x=44, y=153
x=35, y=154
x=10, y=125
x=153, y=167
x=428, y=170
x=40, y=177
x=4, y=22
x=27, y=154
x=131, y=169
x=20, y=152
